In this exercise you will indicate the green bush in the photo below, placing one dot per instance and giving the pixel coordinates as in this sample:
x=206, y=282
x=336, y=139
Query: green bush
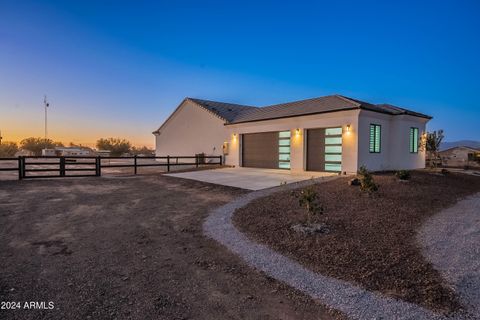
x=367, y=183
x=403, y=174
x=308, y=199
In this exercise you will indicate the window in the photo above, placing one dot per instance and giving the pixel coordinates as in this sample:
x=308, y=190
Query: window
x=413, y=140
x=333, y=149
x=375, y=138
x=333, y=167
x=284, y=150
x=333, y=131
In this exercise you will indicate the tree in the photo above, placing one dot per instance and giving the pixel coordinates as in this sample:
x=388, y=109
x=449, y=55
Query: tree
x=143, y=150
x=116, y=146
x=431, y=144
x=36, y=145
x=8, y=149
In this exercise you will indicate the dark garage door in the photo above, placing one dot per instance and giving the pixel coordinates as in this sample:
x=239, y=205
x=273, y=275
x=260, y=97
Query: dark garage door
x=260, y=150
x=324, y=149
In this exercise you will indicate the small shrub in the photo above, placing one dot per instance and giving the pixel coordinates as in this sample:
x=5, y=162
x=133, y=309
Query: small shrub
x=367, y=183
x=445, y=171
x=308, y=199
x=403, y=174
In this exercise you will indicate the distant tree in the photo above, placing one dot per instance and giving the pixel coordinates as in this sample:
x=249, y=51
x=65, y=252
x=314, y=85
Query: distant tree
x=142, y=150
x=431, y=144
x=36, y=145
x=116, y=146
x=8, y=149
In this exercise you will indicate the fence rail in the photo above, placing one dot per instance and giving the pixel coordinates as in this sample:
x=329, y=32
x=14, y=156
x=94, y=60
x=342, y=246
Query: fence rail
x=94, y=165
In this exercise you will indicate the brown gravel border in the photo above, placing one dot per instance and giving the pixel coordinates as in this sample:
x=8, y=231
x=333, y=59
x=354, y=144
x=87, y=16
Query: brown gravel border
x=372, y=239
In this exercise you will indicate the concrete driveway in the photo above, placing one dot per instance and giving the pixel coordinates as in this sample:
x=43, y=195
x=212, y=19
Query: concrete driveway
x=248, y=178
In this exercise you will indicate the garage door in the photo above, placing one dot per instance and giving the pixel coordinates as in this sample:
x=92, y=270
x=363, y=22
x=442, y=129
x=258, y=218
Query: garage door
x=324, y=149
x=269, y=150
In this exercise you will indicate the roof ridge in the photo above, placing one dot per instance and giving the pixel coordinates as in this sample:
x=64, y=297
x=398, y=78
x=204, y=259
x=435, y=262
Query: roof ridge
x=311, y=99
x=196, y=100
x=205, y=108
x=351, y=100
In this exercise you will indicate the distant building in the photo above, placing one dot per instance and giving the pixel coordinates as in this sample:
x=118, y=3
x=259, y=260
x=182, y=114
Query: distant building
x=460, y=157
x=67, y=151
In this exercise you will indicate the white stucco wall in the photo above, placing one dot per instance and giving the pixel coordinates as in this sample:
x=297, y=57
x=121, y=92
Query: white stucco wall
x=297, y=150
x=191, y=130
x=395, y=133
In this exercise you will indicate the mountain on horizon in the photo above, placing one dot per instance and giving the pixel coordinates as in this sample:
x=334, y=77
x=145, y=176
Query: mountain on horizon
x=460, y=143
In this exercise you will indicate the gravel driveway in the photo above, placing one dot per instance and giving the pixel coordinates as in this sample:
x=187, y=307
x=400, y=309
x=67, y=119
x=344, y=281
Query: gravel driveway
x=129, y=248
x=451, y=241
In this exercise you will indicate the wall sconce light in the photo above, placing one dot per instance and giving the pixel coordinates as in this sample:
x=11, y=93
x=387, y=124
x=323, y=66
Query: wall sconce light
x=234, y=136
x=347, y=128
x=297, y=132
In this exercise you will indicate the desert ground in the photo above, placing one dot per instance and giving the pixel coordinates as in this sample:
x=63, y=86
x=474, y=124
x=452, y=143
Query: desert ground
x=130, y=247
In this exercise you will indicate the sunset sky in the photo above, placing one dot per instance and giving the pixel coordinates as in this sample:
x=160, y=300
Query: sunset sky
x=118, y=69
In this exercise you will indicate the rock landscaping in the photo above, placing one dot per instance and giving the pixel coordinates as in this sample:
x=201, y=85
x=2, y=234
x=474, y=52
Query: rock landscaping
x=372, y=240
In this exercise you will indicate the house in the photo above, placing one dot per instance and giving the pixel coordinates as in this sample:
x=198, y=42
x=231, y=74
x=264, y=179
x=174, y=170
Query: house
x=461, y=157
x=331, y=133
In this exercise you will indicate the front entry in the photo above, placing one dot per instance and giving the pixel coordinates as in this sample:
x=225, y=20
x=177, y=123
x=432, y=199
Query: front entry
x=324, y=149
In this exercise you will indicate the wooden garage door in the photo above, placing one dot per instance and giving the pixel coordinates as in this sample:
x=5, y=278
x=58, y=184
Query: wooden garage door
x=315, y=150
x=260, y=150
x=324, y=149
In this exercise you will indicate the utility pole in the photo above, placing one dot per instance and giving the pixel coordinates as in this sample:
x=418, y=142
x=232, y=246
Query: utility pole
x=46, y=104
x=1, y=137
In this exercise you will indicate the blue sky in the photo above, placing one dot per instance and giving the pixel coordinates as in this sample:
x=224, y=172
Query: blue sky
x=115, y=68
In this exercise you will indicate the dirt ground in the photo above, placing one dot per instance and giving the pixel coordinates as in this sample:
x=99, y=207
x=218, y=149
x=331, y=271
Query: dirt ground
x=372, y=239
x=129, y=248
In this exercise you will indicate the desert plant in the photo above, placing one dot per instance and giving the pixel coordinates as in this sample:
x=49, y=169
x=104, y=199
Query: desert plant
x=308, y=199
x=431, y=144
x=403, y=174
x=367, y=183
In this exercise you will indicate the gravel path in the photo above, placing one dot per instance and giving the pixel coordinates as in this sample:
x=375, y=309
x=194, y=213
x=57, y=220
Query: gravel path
x=451, y=241
x=354, y=301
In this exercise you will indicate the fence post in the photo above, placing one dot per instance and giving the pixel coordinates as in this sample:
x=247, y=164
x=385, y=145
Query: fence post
x=98, y=166
x=168, y=163
x=135, y=163
x=220, y=162
x=62, y=166
x=196, y=160
x=20, y=168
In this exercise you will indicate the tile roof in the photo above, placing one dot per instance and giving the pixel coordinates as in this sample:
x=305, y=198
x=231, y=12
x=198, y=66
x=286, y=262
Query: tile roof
x=318, y=105
x=226, y=111
x=236, y=113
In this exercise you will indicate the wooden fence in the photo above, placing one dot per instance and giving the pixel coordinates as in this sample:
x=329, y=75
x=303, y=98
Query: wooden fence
x=91, y=166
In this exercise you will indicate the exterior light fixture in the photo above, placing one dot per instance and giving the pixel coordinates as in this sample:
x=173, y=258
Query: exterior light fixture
x=234, y=136
x=297, y=132
x=348, y=128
